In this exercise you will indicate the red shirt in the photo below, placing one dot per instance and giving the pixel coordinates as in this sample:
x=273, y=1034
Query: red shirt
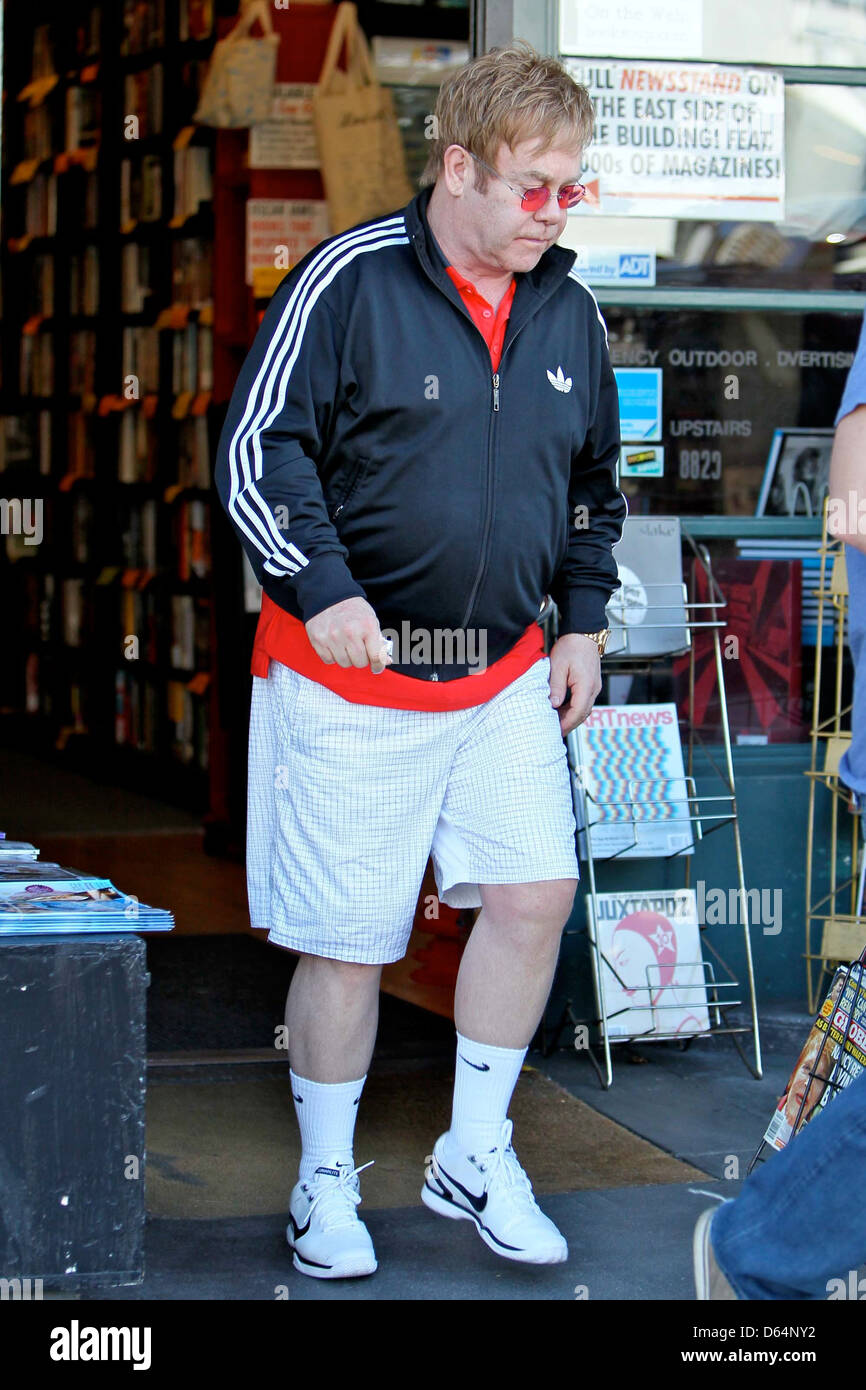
x=282, y=637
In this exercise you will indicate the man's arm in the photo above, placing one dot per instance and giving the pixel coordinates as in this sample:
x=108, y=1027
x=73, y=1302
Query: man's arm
x=266, y=475
x=588, y=575
x=847, y=507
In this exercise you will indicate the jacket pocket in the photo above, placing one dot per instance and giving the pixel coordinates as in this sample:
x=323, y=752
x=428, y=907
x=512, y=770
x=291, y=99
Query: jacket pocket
x=353, y=481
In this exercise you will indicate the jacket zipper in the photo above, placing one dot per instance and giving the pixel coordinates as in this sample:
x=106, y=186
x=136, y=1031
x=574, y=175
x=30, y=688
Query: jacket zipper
x=488, y=510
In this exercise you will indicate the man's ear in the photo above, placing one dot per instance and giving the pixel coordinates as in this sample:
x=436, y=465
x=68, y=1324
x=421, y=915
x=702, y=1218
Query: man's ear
x=457, y=172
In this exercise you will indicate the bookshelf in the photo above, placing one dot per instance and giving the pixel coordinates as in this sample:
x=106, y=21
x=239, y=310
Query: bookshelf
x=106, y=353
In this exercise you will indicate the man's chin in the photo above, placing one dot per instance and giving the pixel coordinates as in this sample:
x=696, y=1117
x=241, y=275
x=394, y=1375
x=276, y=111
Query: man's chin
x=525, y=253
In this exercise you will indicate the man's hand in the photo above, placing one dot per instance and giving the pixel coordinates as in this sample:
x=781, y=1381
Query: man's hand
x=574, y=662
x=348, y=633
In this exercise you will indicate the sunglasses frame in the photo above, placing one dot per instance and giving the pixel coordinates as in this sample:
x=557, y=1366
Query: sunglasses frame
x=525, y=193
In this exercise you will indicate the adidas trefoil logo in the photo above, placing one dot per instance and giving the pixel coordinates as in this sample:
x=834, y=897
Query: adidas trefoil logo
x=560, y=381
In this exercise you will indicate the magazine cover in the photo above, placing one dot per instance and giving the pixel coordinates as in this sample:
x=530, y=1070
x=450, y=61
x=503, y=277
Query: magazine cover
x=647, y=615
x=654, y=982
x=828, y=1052
x=630, y=762
x=763, y=683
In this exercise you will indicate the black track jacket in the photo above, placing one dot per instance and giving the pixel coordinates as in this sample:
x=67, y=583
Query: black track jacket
x=370, y=450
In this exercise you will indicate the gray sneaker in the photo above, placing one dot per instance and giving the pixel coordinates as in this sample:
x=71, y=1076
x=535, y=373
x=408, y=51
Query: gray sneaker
x=710, y=1282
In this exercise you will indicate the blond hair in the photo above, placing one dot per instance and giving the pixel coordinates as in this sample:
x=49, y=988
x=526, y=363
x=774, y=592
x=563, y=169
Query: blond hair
x=509, y=94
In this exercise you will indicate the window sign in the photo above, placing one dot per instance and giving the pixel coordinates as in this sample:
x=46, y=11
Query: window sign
x=684, y=140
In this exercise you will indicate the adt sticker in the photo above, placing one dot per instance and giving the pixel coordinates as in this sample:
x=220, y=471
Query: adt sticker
x=640, y=403
x=616, y=266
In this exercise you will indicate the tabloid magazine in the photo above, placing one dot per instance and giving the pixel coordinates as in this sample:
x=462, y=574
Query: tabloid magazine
x=835, y=1053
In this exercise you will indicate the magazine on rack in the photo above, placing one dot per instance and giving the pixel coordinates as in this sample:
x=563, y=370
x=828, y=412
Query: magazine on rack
x=631, y=767
x=647, y=614
x=63, y=901
x=653, y=973
x=835, y=1050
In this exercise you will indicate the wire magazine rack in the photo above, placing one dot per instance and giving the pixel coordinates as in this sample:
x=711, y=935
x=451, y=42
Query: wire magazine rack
x=719, y=990
x=835, y=922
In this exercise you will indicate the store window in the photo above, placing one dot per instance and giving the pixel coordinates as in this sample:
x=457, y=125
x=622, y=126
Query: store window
x=725, y=238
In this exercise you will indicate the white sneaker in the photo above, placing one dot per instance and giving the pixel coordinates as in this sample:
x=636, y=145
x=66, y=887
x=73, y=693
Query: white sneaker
x=328, y=1239
x=492, y=1190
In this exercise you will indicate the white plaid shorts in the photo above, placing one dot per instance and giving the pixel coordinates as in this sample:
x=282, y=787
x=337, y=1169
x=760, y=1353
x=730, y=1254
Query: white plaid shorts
x=346, y=802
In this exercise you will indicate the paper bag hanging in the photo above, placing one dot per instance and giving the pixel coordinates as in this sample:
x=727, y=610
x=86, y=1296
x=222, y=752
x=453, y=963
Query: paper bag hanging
x=239, y=87
x=360, y=150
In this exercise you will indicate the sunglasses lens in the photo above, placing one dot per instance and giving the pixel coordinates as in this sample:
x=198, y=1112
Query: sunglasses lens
x=534, y=198
x=571, y=195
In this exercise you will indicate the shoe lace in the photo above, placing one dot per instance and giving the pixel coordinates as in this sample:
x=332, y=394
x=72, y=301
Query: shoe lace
x=502, y=1164
x=337, y=1198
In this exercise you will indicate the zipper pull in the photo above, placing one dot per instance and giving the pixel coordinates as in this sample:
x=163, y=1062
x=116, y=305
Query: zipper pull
x=495, y=390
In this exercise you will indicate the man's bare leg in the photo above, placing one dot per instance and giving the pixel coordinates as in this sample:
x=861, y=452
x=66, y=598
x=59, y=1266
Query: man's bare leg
x=332, y=1013
x=510, y=959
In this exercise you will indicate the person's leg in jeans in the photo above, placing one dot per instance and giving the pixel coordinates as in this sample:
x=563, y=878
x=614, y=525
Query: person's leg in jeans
x=799, y=1221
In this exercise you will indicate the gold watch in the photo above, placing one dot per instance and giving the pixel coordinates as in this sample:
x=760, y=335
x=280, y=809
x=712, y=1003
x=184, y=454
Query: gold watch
x=600, y=638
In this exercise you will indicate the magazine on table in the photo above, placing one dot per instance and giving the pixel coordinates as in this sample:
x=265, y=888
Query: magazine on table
x=630, y=762
x=653, y=972
x=835, y=1051
x=64, y=901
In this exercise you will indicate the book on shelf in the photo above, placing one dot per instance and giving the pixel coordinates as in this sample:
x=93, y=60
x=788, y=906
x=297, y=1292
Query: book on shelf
x=194, y=462
x=193, y=180
x=42, y=298
x=81, y=450
x=72, y=603
x=192, y=272
x=36, y=363
x=138, y=538
x=40, y=205
x=83, y=116
x=82, y=361
x=143, y=25
x=630, y=765
x=195, y=19
x=143, y=99
x=37, y=140
x=84, y=281
x=137, y=448
x=135, y=273
x=43, y=53
x=140, y=359
x=82, y=528
x=653, y=972
x=192, y=539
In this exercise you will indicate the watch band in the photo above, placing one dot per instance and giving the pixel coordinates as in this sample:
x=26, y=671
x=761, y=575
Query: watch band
x=600, y=638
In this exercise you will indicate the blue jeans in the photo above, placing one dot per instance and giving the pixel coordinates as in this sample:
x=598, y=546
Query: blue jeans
x=800, y=1220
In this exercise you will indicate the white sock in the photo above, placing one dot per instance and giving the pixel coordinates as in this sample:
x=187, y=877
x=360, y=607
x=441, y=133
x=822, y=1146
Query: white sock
x=326, y=1116
x=484, y=1080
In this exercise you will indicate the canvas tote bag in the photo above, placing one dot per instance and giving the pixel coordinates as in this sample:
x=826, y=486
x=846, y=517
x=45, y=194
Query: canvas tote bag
x=360, y=151
x=239, y=87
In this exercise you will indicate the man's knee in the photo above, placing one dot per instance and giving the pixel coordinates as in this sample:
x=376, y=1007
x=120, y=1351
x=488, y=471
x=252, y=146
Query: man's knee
x=546, y=906
x=345, y=974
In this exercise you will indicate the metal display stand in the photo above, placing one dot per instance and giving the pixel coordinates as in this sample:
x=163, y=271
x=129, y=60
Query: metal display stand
x=835, y=923
x=706, y=813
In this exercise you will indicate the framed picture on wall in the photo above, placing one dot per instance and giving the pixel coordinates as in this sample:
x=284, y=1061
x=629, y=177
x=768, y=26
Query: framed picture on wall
x=797, y=476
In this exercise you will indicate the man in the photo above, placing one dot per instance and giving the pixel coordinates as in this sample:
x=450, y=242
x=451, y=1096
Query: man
x=794, y=1229
x=423, y=443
